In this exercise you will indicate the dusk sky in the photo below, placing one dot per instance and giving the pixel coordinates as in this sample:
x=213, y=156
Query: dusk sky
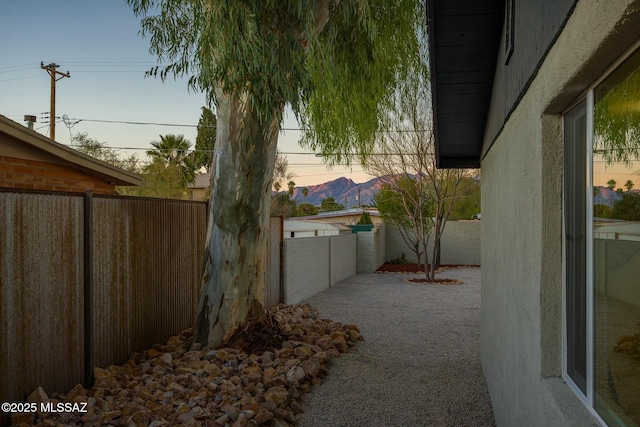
x=98, y=43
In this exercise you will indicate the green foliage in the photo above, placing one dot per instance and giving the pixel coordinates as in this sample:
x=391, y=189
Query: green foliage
x=99, y=150
x=402, y=259
x=468, y=204
x=305, y=192
x=281, y=204
x=306, y=209
x=396, y=206
x=365, y=218
x=205, y=140
x=627, y=208
x=602, y=211
x=330, y=205
x=616, y=118
x=337, y=64
x=174, y=150
x=159, y=179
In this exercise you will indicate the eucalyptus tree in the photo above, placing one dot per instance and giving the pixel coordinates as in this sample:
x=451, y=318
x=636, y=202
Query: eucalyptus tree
x=335, y=63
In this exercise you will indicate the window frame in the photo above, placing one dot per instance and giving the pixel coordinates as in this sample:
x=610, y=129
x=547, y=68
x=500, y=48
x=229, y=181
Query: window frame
x=589, y=96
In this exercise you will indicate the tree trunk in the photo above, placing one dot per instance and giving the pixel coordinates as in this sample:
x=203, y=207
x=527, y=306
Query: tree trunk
x=234, y=273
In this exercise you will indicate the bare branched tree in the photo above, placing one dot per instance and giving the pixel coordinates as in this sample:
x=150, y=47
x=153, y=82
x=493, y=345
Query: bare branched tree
x=405, y=152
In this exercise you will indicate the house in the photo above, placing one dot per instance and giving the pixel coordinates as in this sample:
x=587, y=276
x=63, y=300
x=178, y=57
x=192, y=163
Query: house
x=344, y=216
x=296, y=228
x=544, y=96
x=29, y=160
x=199, y=189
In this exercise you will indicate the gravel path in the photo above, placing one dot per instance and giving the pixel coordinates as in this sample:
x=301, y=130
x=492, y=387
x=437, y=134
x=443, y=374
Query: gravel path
x=420, y=362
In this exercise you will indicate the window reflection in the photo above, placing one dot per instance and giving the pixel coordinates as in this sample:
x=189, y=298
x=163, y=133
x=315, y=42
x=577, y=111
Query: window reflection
x=616, y=246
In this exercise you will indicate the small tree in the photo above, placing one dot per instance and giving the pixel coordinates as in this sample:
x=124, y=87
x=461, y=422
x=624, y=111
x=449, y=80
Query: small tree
x=365, y=218
x=329, y=204
x=405, y=148
x=99, y=150
x=306, y=209
x=205, y=140
x=408, y=212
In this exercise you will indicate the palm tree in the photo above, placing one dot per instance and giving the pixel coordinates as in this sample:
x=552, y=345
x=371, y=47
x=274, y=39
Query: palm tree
x=174, y=151
x=305, y=193
x=628, y=185
x=611, y=184
x=291, y=185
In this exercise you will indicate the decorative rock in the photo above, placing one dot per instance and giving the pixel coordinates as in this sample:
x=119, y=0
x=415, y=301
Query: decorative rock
x=181, y=384
x=278, y=395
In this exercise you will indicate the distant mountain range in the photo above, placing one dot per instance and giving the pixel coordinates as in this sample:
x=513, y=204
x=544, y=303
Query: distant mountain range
x=343, y=190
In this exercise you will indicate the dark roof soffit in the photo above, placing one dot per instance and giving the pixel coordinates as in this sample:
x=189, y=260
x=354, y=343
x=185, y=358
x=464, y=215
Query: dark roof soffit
x=464, y=37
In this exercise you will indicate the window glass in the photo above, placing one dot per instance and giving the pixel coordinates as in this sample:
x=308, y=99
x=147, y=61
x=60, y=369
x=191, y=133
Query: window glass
x=616, y=246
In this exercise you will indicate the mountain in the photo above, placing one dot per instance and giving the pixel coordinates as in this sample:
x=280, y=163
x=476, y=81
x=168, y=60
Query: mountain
x=343, y=190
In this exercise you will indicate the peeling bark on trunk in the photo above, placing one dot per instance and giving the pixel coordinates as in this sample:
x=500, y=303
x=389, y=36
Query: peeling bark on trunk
x=234, y=273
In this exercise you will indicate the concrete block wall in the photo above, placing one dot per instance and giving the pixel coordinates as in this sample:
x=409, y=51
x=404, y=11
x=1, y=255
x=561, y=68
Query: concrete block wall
x=342, y=257
x=460, y=244
x=370, y=249
x=306, y=268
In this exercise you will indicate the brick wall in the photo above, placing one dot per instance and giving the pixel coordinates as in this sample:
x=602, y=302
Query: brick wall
x=36, y=175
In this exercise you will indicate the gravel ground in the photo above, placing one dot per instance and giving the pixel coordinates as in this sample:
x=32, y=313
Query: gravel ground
x=420, y=362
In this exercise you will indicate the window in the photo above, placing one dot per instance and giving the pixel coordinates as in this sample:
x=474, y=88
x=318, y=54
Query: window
x=602, y=246
x=509, y=30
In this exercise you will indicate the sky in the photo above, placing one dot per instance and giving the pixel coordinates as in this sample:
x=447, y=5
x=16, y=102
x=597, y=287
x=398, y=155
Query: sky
x=98, y=43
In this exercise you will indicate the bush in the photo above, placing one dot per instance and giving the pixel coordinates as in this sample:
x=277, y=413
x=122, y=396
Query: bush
x=365, y=218
x=402, y=259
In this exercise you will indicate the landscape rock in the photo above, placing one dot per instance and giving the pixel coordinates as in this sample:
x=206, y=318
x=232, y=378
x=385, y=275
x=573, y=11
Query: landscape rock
x=181, y=384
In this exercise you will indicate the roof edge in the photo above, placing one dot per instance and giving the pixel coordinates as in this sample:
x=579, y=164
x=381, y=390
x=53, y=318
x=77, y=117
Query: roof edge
x=87, y=163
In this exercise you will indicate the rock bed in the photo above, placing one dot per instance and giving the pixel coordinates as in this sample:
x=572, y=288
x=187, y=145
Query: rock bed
x=180, y=384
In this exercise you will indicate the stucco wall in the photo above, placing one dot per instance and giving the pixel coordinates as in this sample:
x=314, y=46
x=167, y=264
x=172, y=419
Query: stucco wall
x=460, y=244
x=521, y=234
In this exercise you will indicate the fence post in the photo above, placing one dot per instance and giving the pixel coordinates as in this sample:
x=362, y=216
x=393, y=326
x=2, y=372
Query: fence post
x=88, y=284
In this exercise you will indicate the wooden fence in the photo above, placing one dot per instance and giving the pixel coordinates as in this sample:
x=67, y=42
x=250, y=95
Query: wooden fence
x=86, y=280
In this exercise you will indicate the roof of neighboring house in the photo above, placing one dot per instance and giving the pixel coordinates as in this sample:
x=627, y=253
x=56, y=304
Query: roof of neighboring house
x=344, y=212
x=88, y=164
x=203, y=180
x=296, y=224
x=464, y=38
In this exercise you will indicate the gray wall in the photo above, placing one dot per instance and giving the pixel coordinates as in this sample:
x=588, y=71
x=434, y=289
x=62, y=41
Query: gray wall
x=342, y=257
x=460, y=244
x=536, y=25
x=312, y=264
x=371, y=249
x=521, y=326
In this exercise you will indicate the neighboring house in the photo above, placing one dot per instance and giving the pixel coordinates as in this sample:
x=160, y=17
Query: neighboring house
x=199, y=189
x=29, y=160
x=345, y=216
x=296, y=228
x=539, y=93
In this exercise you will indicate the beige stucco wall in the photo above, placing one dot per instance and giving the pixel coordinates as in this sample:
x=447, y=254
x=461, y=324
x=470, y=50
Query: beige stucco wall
x=521, y=235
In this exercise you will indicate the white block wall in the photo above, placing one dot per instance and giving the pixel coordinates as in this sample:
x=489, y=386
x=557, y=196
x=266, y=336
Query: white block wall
x=460, y=244
x=342, y=257
x=370, y=249
x=306, y=268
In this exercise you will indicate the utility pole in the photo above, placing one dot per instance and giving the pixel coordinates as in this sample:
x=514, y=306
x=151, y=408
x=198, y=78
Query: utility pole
x=53, y=72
